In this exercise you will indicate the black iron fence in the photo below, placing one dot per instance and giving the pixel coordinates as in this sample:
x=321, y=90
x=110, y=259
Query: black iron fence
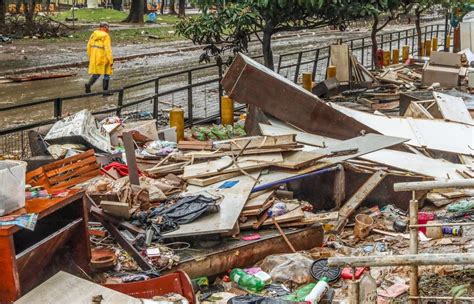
x=316, y=61
x=196, y=90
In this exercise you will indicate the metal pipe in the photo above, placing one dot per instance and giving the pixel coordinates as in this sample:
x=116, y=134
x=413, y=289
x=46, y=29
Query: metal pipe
x=293, y=178
x=443, y=298
x=430, y=185
x=414, y=246
x=442, y=224
x=404, y=260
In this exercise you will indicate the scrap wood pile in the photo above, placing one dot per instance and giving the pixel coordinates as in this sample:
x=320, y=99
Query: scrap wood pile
x=387, y=88
x=261, y=204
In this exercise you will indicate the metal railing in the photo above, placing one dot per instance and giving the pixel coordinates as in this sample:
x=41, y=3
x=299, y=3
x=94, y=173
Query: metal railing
x=196, y=90
x=316, y=61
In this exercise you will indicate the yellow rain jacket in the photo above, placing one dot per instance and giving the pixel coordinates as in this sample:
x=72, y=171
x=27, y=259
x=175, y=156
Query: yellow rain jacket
x=99, y=51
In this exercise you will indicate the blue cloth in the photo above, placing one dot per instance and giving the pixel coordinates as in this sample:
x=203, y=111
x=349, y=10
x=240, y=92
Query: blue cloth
x=228, y=184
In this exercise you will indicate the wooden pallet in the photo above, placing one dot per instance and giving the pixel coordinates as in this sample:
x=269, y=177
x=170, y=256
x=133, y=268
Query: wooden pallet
x=65, y=173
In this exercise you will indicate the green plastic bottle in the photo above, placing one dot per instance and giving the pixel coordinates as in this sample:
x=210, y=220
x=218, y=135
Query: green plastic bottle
x=246, y=281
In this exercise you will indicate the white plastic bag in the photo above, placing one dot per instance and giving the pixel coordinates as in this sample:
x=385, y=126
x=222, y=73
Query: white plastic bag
x=12, y=185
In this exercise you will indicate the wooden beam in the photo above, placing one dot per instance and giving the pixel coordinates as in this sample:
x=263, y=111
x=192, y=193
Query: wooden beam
x=129, y=146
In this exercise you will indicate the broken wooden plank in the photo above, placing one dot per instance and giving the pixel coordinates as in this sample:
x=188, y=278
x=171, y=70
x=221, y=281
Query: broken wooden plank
x=247, y=81
x=211, y=168
x=117, y=209
x=294, y=214
x=233, y=201
x=340, y=59
x=297, y=160
x=257, y=142
x=351, y=205
x=203, y=182
x=129, y=146
x=453, y=108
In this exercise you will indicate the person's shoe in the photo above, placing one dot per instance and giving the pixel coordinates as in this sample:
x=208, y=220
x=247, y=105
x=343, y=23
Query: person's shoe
x=105, y=86
x=88, y=88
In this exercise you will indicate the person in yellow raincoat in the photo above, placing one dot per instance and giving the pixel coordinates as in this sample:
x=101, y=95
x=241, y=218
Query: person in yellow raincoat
x=99, y=51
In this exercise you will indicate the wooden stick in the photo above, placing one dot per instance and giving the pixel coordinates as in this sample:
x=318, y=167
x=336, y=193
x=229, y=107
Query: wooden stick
x=283, y=235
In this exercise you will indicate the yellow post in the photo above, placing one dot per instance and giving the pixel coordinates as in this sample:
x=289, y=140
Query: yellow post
x=448, y=43
x=405, y=53
x=386, y=58
x=434, y=42
x=395, y=56
x=227, y=111
x=308, y=81
x=177, y=121
x=428, y=48
x=331, y=72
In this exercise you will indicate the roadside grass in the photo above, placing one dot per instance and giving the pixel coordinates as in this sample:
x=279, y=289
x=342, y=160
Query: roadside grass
x=87, y=15
x=159, y=34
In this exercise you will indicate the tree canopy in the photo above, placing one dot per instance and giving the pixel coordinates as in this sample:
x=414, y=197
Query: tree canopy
x=231, y=24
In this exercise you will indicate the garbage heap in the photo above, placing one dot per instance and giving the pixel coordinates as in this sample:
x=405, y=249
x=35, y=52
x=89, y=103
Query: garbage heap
x=274, y=212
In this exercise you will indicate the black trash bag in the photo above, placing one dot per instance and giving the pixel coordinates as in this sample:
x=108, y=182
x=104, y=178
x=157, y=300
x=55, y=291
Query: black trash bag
x=189, y=209
x=253, y=299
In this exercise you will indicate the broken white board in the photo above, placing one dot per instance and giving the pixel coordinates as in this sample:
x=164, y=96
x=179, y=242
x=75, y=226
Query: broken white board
x=67, y=288
x=230, y=207
x=453, y=108
x=432, y=134
x=215, y=167
x=419, y=164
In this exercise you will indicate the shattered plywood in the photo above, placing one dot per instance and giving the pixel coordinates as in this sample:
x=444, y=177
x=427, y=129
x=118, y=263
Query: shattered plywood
x=217, y=167
x=247, y=81
x=453, y=109
x=432, y=134
x=233, y=201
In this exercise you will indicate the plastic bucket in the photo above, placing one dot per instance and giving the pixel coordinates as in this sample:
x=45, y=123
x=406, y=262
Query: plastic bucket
x=363, y=225
x=12, y=185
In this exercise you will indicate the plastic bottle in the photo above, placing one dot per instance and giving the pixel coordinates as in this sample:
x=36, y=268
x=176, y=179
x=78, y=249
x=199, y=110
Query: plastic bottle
x=246, y=281
x=367, y=289
x=318, y=291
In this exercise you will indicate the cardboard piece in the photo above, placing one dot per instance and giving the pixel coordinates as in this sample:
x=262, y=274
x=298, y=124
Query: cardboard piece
x=80, y=128
x=447, y=77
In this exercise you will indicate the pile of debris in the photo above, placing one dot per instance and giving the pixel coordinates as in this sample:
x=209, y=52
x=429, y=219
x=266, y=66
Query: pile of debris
x=282, y=211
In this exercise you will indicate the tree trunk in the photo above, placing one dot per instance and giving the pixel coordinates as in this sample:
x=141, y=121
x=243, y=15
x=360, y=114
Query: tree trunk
x=267, y=47
x=145, y=7
x=182, y=8
x=172, y=8
x=162, y=7
x=117, y=5
x=136, y=12
x=3, y=10
x=418, y=30
x=373, y=38
x=29, y=15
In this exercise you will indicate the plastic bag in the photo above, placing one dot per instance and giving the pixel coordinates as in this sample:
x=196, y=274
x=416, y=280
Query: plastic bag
x=288, y=267
x=462, y=205
x=254, y=299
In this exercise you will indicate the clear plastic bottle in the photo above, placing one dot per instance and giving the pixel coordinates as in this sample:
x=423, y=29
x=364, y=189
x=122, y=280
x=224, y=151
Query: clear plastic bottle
x=318, y=291
x=367, y=289
x=245, y=280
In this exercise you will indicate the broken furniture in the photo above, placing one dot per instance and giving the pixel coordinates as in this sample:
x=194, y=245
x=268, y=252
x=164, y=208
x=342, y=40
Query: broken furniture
x=175, y=282
x=60, y=241
x=443, y=68
x=65, y=173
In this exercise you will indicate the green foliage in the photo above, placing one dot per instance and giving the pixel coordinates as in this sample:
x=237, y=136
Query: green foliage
x=231, y=26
